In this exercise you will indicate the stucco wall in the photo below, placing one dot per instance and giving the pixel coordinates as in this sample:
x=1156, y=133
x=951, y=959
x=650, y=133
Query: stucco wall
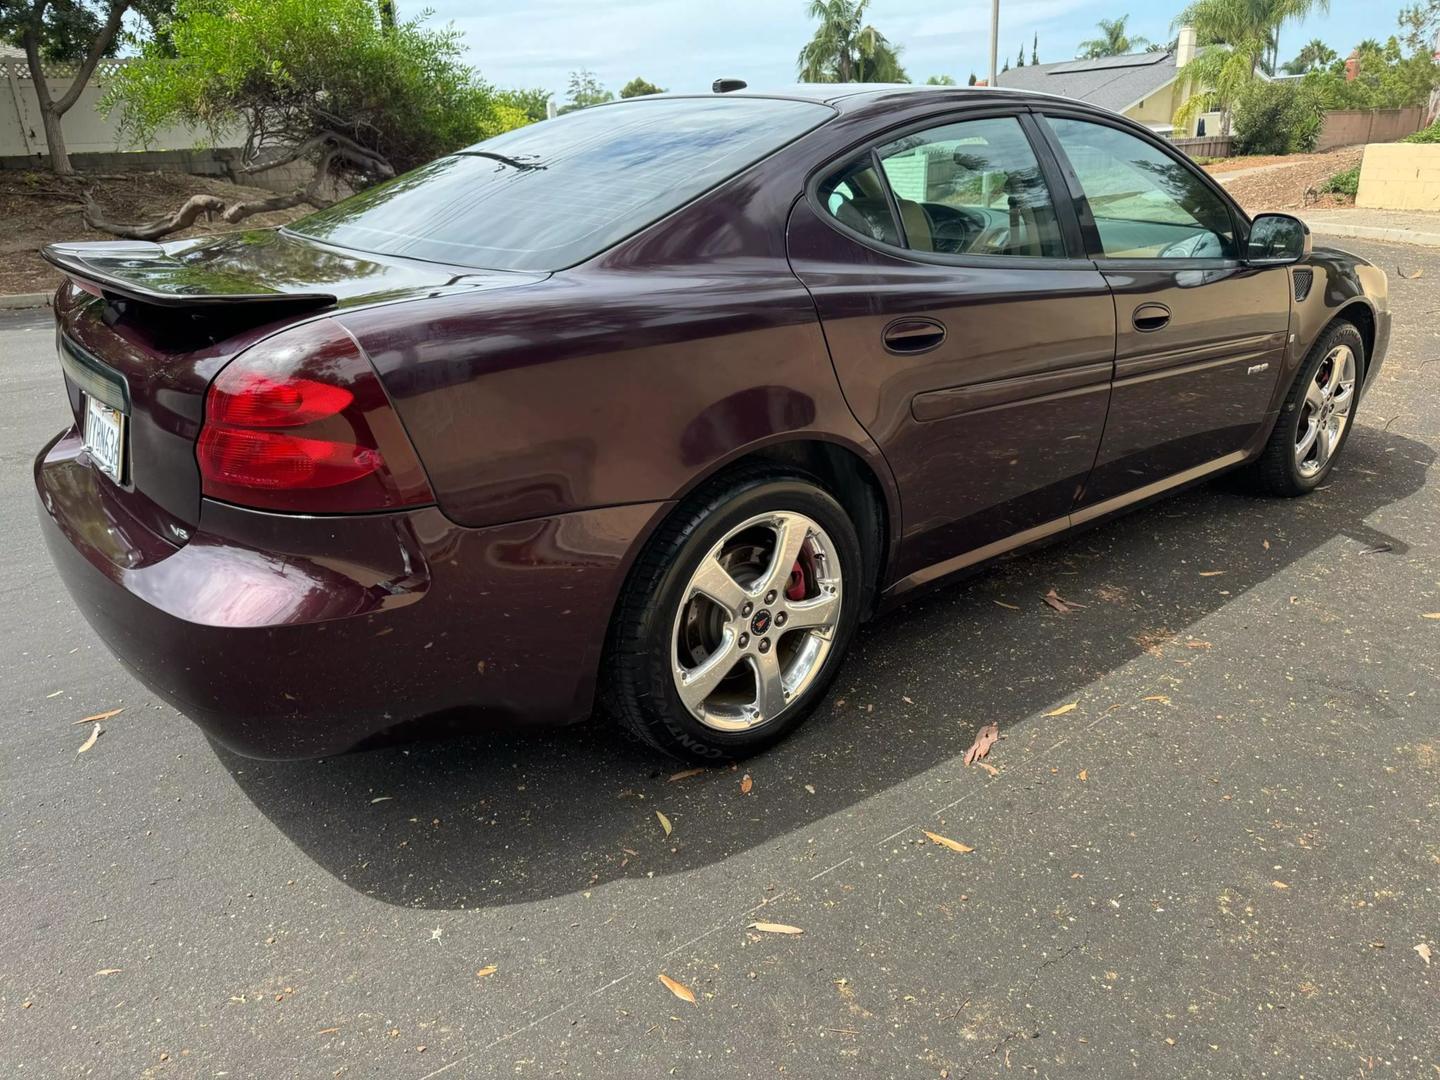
x=1400, y=176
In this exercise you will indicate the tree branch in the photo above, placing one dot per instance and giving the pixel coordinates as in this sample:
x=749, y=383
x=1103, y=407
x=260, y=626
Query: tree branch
x=92, y=58
x=180, y=219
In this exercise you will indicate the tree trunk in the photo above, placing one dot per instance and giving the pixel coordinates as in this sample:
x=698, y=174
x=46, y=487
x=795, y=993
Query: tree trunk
x=51, y=109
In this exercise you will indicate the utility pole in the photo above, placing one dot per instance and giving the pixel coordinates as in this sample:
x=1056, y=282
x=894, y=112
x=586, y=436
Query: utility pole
x=994, y=38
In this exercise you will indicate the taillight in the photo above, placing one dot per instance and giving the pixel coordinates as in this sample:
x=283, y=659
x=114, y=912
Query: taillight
x=301, y=423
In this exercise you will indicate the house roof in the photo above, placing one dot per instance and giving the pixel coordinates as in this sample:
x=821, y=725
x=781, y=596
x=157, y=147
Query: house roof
x=1112, y=82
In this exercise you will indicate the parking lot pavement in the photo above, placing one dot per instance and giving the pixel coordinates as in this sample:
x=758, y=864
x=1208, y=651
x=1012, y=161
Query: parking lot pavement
x=1219, y=862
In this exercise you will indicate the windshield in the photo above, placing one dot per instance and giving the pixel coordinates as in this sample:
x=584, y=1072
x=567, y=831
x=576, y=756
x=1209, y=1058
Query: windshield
x=556, y=193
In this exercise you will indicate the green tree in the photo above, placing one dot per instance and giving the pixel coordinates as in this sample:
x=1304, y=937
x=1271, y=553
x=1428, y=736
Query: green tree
x=638, y=87
x=1277, y=117
x=76, y=32
x=973, y=79
x=322, y=81
x=1238, y=42
x=585, y=90
x=1035, y=51
x=1020, y=60
x=940, y=80
x=1314, y=56
x=533, y=103
x=1386, y=77
x=1113, y=40
x=846, y=49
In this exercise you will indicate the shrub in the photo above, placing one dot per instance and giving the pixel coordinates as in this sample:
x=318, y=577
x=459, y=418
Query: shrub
x=1430, y=134
x=1343, y=183
x=1276, y=118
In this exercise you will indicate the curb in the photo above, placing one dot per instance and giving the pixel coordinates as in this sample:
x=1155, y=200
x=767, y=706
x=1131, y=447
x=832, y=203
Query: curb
x=20, y=301
x=1377, y=232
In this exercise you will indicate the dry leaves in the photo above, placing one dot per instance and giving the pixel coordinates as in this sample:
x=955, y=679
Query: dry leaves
x=679, y=989
x=988, y=768
x=946, y=842
x=100, y=716
x=1279, y=885
x=1084, y=775
x=1063, y=709
x=664, y=822
x=88, y=743
x=1060, y=604
x=1410, y=277
x=486, y=971
x=1211, y=573
x=1431, y=615
x=775, y=928
x=109, y=971
x=1001, y=603
x=1424, y=951
x=746, y=784
x=1161, y=698
x=983, y=741
x=683, y=774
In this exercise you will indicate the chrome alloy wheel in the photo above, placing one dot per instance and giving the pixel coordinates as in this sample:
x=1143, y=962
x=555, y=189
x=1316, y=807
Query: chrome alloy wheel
x=1325, y=411
x=756, y=621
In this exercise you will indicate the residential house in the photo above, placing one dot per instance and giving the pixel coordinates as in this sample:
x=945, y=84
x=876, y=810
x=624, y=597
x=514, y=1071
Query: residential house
x=1147, y=87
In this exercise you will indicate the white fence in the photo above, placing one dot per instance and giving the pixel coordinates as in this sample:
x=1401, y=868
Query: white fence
x=87, y=129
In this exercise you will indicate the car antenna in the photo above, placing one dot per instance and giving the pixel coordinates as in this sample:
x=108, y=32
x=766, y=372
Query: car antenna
x=725, y=86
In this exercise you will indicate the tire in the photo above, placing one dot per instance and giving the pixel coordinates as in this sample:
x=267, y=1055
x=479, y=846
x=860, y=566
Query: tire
x=667, y=629
x=1281, y=468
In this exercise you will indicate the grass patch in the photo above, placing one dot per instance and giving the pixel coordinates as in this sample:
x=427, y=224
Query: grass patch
x=1343, y=183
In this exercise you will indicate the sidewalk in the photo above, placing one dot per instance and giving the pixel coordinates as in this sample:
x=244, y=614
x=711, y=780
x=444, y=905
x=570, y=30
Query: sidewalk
x=1396, y=226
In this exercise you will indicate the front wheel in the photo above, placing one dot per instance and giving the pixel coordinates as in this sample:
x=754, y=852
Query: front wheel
x=1316, y=418
x=735, y=618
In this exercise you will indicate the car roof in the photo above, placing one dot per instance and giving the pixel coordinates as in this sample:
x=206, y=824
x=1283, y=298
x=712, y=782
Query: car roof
x=847, y=96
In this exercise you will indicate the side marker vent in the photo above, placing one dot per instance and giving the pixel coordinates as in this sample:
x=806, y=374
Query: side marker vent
x=1304, y=278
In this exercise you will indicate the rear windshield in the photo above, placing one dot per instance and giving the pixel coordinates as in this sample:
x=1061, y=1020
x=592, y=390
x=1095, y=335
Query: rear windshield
x=556, y=193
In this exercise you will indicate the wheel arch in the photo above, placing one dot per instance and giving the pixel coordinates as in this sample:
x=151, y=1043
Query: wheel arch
x=1360, y=315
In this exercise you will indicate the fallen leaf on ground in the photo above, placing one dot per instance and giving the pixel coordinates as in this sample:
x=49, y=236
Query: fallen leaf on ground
x=1012, y=607
x=683, y=774
x=1424, y=951
x=1410, y=277
x=906, y=700
x=1431, y=615
x=679, y=989
x=1161, y=698
x=664, y=822
x=746, y=784
x=983, y=741
x=381, y=798
x=810, y=788
x=88, y=743
x=486, y=971
x=57, y=693
x=1060, y=604
x=946, y=842
x=1084, y=775
x=1063, y=709
x=775, y=928
x=1196, y=644
x=1211, y=573
x=100, y=716
x=1279, y=884
x=988, y=768
x=109, y=971
x=1266, y=543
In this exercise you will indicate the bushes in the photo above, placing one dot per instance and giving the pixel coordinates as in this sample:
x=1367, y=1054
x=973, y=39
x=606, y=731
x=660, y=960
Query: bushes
x=1343, y=183
x=1430, y=134
x=1276, y=118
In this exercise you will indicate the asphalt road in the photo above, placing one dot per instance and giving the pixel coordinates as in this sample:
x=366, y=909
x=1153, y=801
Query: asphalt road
x=1219, y=862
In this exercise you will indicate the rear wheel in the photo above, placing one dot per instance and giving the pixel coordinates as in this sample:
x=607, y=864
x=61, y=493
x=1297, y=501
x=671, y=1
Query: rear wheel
x=736, y=617
x=1316, y=417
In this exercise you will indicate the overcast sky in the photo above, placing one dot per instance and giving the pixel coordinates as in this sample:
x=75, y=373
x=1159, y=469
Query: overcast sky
x=686, y=44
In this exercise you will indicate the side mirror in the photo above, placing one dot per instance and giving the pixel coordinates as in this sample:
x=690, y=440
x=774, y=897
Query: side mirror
x=1277, y=240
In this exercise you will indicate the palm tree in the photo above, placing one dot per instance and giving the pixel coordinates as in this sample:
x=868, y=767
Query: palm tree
x=1315, y=56
x=845, y=49
x=1113, y=41
x=1238, y=39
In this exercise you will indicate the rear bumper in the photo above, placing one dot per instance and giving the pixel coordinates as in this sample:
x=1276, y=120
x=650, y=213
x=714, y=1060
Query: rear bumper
x=286, y=636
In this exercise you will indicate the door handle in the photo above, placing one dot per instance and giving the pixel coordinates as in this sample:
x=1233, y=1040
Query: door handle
x=913, y=335
x=1150, y=317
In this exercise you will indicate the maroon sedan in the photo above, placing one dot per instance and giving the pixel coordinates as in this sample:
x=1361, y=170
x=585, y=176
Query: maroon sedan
x=646, y=407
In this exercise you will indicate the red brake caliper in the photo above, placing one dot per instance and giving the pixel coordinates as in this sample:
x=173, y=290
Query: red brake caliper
x=798, y=586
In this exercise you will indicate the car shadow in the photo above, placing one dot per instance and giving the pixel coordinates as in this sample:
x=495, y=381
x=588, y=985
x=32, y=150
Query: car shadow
x=491, y=820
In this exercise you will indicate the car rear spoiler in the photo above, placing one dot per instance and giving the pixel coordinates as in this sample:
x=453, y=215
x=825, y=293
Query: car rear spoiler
x=143, y=271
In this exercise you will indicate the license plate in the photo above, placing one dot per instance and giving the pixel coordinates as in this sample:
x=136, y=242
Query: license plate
x=105, y=437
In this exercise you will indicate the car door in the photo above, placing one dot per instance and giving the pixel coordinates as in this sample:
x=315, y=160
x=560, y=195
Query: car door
x=1200, y=335
x=972, y=338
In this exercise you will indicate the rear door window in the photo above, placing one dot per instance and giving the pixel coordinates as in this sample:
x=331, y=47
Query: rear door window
x=558, y=192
